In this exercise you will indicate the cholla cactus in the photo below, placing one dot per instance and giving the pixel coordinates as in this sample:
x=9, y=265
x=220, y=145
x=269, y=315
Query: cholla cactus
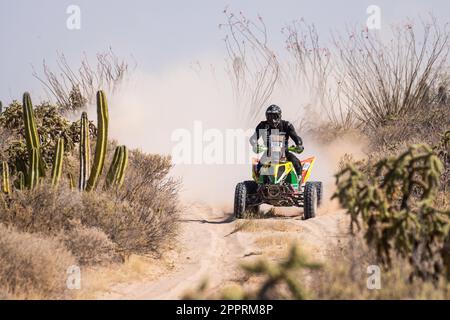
x=280, y=273
x=442, y=149
x=396, y=206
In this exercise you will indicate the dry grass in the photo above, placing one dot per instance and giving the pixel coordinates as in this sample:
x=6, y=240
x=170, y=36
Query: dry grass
x=266, y=225
x=345, y=277
x=32, y=266
x=281, y=241
x=90, y=246
x=422, y=125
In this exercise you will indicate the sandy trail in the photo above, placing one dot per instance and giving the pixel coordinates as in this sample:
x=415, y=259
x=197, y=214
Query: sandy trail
x=213, y=244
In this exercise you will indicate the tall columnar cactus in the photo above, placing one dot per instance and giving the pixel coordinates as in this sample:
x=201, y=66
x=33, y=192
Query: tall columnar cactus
x=85, y=152
x=5, y=178
x=31, y=134
x=58, y=162
x=1, y=107
x=20, y=184
x=102, y=140
x=112, y=172
x=71, y=181
x=123, y=166
x=34, y=173
x=116, y=172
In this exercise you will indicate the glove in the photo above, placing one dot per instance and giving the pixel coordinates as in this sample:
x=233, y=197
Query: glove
x=257, y=148
x=297, y=149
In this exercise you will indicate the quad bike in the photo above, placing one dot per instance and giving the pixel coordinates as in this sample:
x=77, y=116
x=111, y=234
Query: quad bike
x=278, y=184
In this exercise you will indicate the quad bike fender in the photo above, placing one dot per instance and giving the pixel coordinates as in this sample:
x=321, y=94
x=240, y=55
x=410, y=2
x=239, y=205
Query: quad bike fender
x=307, y=165
x=278, y=171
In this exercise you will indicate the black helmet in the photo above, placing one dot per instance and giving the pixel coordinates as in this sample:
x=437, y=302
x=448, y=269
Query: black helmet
x=273, y=115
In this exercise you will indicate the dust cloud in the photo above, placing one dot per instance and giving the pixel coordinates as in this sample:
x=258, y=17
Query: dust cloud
x=149, y=108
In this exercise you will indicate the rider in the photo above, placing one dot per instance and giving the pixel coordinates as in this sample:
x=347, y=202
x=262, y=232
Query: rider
x=274, y=124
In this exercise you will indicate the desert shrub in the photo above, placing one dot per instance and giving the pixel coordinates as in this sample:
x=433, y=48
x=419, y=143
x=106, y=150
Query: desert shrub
x=32, y=266
x=424, y=125
x=134, y=228
x=137, y=218
x=396, y=203
x=152, y=193
x=345, y=277
x=5, y=136
x=43, y=210
x=51, y=125
x=385, y=80
x=90, y=246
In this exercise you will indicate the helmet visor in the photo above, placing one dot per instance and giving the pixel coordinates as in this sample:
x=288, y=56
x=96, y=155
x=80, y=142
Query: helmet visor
x=273, y=117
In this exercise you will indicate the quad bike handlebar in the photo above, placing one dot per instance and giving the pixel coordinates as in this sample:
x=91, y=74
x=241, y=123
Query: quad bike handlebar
x=295, y=149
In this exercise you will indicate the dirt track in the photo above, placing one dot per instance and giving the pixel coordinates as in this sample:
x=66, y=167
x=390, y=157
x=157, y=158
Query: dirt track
x=213, y=244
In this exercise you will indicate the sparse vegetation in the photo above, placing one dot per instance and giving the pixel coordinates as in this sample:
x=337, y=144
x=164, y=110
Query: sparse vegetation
x=75, y=89
x=135, y=215
x=32, y=266
x=279, y=280
x=394, y=93
x=397, y=205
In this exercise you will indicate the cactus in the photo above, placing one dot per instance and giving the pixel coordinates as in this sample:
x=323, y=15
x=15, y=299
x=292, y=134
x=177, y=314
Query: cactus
x=58, y=162
x=34, y=173
x=20, y=181
x=116, y=172
x=123, y=166
x=102, y=140
x=5, y=178
x=113, y=169
x=85, y=152
x=1, y=107
x=71, y=182
x=395, y=200
x=31, y=134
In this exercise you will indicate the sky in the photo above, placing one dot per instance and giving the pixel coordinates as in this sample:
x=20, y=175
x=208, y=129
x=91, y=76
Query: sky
x=158, y=34
x=163, y=38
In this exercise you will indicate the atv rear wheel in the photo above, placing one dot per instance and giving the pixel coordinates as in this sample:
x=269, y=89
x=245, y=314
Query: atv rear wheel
x=319, y=188
x=310, y=200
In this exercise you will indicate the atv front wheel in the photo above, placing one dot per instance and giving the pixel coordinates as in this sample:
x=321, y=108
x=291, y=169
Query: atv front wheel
x=319, y=188
x=240, y=199
x=310, y=200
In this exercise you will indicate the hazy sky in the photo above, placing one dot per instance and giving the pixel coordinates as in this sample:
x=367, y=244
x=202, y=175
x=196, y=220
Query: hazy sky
x=158, y=33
